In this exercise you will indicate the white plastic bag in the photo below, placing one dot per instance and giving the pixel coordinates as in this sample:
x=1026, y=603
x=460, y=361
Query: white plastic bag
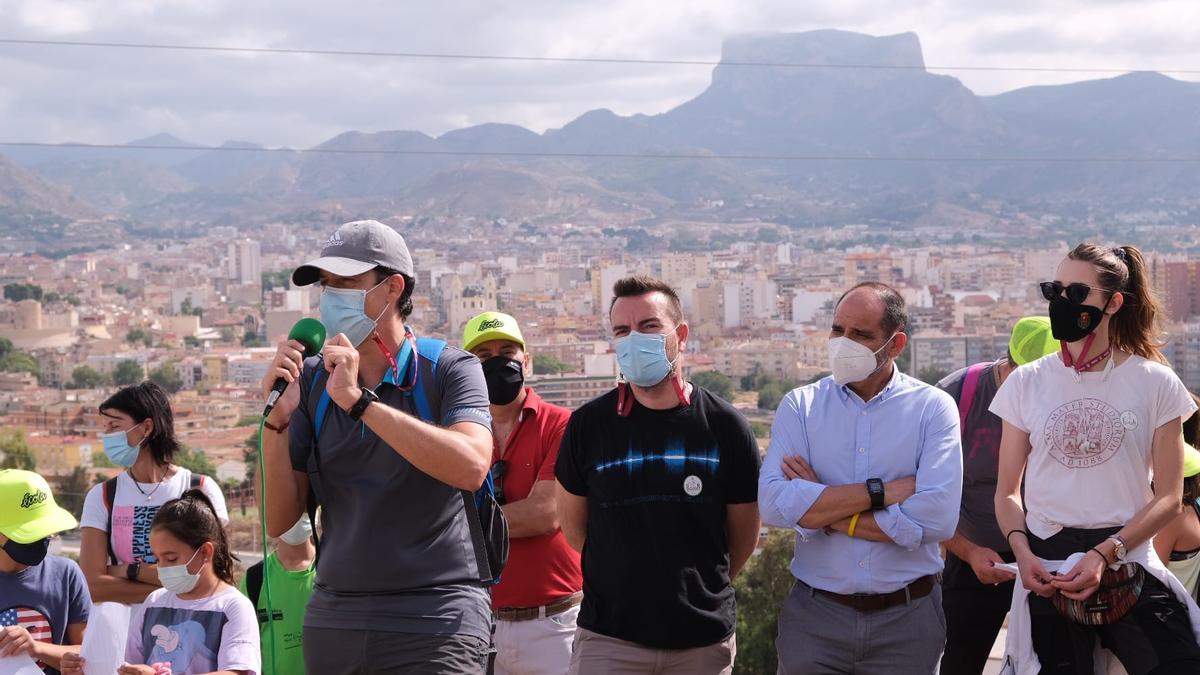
x=20, y=664
x=103, y=648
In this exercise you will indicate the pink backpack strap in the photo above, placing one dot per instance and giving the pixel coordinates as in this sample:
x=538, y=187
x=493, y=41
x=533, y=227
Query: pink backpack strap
x=967, y=397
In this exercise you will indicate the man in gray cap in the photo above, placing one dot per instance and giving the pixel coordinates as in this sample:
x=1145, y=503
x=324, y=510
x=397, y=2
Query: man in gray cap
x=385, y=435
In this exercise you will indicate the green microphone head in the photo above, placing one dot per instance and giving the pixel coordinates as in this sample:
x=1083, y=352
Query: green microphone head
x=310, y=333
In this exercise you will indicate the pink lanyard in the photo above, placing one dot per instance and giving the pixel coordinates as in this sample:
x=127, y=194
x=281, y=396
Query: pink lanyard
x=1069, y=361
x=387, y=354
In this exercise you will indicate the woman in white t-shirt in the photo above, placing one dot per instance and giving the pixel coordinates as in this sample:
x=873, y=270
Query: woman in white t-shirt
x=1083, y=433
x=139, y=435
x=198, y=622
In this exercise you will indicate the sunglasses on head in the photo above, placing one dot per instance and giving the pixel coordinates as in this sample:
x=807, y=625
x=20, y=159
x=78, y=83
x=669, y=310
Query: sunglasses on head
x=1076, y=293
x=498, y=470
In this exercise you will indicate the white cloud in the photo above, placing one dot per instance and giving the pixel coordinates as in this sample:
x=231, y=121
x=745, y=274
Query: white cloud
x=108, y=95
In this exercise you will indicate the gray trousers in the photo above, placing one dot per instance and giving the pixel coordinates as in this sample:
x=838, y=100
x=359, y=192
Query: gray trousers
x=329, y=651
x=818, y=636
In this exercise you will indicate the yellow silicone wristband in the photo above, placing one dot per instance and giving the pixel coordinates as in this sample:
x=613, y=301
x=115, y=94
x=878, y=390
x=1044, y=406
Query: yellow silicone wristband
x=853, y=524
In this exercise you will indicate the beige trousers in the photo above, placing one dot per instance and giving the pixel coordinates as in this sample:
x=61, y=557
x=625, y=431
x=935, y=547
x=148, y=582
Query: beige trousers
x=596, y=654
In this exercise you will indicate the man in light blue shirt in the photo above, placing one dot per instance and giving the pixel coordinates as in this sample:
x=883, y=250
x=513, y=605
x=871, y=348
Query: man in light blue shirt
x=866, y=466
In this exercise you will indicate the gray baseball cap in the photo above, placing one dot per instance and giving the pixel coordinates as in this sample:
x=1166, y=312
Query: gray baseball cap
x=355, y=248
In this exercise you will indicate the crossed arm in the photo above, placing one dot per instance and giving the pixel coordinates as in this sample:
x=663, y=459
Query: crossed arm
x=835, y=509
x=918, y=509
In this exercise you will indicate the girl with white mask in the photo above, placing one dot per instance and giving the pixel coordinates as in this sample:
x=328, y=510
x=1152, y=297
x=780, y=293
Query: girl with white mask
x=197, y=622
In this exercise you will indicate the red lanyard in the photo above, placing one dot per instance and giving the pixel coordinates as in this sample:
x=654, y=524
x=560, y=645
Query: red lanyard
x=1069, y=361
x=625, y=399
x=387, y=354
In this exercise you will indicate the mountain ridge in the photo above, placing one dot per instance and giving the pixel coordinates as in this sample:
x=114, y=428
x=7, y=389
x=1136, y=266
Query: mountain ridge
x=863, y=120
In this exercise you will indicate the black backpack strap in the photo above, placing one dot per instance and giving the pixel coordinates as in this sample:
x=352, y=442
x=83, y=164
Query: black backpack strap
x=110, y=498
x=479, y=544
x=254, y=582
x=197, y=481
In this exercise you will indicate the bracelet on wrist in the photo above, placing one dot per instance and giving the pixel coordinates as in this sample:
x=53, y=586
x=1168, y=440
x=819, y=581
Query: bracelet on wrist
x=1017, y=531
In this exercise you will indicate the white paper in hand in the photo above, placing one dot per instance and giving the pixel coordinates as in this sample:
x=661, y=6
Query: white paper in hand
x=18, y=665
x=103, y=648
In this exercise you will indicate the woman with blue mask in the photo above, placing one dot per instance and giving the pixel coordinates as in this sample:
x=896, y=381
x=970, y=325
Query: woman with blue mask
x=138, y=436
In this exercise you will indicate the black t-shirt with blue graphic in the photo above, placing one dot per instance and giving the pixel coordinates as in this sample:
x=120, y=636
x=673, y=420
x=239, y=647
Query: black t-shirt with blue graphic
x=656, y=560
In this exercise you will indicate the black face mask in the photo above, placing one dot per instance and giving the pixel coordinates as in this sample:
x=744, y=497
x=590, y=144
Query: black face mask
x=1072, y=322
x=505, y=379
x=27, y=554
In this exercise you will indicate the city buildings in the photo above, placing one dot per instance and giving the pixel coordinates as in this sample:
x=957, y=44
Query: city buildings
x=206, y=311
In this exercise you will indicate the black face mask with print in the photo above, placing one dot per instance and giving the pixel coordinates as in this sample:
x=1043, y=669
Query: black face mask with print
x=1071, y=321
x=505, y=379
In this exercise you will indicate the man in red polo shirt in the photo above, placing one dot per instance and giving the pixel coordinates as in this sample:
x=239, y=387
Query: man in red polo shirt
x=538, y=597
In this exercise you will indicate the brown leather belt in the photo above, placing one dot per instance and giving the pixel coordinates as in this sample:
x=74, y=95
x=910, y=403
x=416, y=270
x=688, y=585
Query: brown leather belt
x=874, y=602
x=529, y=613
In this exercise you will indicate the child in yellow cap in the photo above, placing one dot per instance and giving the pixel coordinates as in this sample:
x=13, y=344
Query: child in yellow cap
x=44, y=602
x=1178, y=544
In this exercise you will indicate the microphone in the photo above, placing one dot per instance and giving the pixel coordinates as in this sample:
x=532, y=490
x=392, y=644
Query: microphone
x=311, y=334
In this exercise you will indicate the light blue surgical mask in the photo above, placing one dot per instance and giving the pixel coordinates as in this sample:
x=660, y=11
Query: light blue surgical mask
x=643, y=358
x=118, y=449
x=343, y=311
x=177, y=579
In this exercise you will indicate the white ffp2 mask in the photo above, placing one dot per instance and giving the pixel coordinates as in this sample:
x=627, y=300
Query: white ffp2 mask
x=851, y=362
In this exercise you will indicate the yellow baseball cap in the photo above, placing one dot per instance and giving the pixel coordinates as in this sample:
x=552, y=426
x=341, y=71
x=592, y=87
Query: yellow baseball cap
x=28, y=512
x=1031, y=340
x=1191, y=461
x=491, y=326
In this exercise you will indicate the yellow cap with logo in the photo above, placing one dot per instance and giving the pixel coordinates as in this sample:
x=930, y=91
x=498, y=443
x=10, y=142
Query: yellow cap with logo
x=28, y=512
x=1031, y=340
x=491, y=326
x=1191, y=461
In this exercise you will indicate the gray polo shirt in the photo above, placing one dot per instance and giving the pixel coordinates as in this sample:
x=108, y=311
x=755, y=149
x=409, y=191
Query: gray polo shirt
x=396, y=551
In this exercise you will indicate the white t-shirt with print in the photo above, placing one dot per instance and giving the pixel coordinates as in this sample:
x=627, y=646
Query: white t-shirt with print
x=1091, y=435
x=133, y=512
x=211, y=634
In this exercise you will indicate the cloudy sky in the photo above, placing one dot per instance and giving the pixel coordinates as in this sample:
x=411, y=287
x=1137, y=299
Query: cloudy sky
x=63, y=93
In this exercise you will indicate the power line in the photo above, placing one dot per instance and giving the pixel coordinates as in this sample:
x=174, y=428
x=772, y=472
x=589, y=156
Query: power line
x=619, y=155
x=576, y=59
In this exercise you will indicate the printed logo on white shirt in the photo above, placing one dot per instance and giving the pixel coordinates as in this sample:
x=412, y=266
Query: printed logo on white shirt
x=1084, y=433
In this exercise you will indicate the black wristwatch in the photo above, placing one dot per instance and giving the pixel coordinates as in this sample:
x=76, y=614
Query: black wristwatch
x=875, y=489
x=131, y=571
x=368, y=397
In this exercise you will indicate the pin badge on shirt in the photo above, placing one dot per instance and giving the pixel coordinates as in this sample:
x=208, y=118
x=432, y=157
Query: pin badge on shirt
x=1129, y=420
x=692, y=485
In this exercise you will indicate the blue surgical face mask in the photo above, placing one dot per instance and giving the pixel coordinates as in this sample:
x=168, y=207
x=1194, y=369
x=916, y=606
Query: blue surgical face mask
x=177, y=579
x=343, y=311
x=643, y=358
x=118, y=449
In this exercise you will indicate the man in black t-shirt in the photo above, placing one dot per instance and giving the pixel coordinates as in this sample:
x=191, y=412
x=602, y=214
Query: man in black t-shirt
x=659, y=478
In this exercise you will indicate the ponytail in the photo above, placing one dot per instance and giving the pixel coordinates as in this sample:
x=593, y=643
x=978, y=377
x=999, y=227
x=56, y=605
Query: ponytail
x=1136, y=327
x=193, y=520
